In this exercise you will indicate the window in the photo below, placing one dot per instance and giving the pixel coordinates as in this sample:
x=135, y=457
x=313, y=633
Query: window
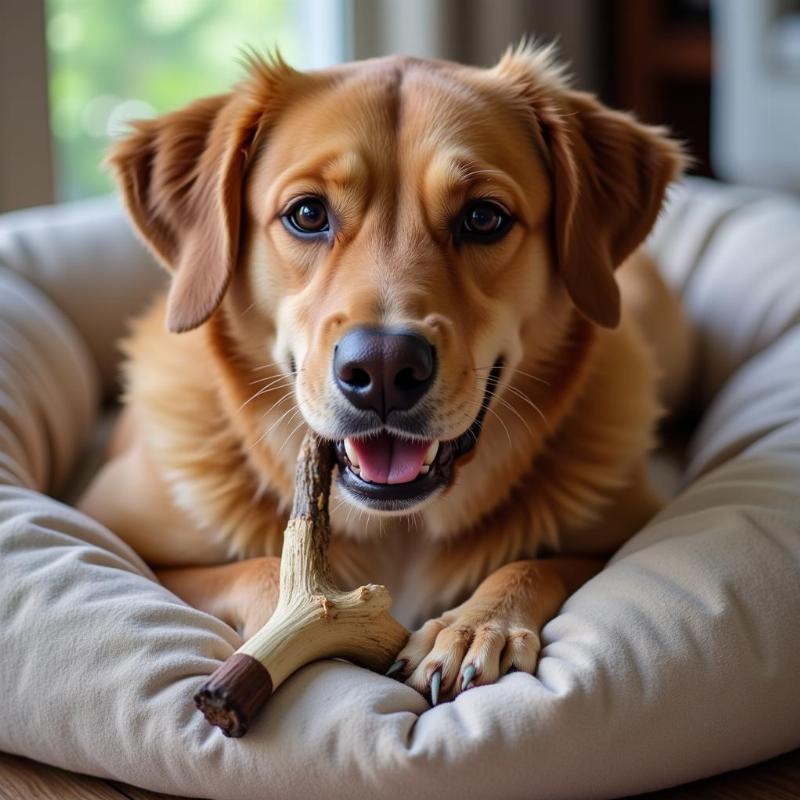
x=113, y=62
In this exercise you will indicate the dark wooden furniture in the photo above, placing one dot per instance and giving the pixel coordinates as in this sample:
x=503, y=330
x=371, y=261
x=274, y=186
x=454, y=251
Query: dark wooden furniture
x=659, y=60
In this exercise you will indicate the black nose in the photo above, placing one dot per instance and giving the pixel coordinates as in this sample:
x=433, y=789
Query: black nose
x=384, y=371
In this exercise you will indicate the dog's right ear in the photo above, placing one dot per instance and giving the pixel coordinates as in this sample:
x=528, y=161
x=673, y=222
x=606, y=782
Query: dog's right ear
x=182, y=178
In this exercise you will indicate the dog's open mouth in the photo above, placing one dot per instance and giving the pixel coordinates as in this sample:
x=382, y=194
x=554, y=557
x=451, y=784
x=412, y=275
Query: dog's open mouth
x=388, y=472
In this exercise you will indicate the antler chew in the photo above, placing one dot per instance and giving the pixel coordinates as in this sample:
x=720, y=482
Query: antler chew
x=314, y=619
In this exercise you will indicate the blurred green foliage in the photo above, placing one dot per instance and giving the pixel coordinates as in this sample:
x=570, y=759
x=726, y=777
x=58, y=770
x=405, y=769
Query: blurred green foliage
x=116, y=60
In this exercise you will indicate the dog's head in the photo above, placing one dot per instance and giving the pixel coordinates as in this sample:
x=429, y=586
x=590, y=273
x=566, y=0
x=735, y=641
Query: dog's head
x=398, y=243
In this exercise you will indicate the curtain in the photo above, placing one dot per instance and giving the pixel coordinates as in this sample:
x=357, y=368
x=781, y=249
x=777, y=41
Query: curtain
x=478, y=31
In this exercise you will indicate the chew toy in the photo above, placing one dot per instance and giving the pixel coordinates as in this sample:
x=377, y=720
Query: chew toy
x=313, y=620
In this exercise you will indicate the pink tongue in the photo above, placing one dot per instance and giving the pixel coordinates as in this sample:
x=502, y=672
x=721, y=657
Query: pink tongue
x=389, y=459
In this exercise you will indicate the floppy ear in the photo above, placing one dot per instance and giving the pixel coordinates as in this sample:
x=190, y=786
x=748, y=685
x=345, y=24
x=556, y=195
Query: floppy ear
x=181, y=177
x=609, y=176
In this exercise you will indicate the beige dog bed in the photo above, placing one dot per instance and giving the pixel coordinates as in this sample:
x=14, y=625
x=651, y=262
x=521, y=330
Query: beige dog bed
x=678, y=661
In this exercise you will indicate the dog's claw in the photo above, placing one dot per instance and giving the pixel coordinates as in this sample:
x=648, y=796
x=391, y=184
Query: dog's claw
x=469, y=676
x=396, y=667
x=436, y=683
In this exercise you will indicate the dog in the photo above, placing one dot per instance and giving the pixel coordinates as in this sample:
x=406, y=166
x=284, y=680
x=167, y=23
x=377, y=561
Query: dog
x=430, y=265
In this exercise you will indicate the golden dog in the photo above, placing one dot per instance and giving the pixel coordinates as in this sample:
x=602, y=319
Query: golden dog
x=417, y=259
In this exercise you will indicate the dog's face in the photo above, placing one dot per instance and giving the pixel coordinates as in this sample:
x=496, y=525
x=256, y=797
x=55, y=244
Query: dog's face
x=410, y=249
x=400, y=242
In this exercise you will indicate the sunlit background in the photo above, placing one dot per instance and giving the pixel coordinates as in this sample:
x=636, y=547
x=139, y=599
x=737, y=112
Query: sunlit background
x=143, y=59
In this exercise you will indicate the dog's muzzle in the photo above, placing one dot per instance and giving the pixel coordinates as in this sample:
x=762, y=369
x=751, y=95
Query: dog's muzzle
x=388, y=471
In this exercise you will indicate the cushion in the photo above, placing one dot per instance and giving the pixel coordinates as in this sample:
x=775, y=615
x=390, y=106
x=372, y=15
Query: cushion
x=677, y=661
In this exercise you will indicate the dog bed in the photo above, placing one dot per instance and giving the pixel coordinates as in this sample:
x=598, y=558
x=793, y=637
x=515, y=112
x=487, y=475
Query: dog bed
x=678, y=661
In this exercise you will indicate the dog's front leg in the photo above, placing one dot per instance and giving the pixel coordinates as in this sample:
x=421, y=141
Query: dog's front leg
x=496, y=629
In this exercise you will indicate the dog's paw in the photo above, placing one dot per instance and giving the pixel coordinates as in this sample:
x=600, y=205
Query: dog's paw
x=472, y=645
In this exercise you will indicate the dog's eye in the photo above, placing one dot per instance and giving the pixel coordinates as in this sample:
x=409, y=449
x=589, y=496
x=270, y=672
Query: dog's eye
x=484, y=221
x=308, y=216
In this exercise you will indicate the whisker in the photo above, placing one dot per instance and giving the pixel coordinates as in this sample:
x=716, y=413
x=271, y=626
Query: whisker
x=523, y=396
x=293, y=418
x=516, y=369
x=273, y=379
x=269, y=430
x=267, y=389
x=515, y=412
x=277, y=387
x=294, y=431
x=263, y=390
x=505, y=427
x=531, y=376
x=267, y=366
x=277, y=403
x=281, y=399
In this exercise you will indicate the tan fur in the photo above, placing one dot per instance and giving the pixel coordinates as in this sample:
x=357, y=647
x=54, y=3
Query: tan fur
x=396, y=146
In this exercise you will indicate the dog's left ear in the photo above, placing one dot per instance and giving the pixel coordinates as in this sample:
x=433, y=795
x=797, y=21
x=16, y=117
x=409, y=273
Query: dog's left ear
x=609, y=176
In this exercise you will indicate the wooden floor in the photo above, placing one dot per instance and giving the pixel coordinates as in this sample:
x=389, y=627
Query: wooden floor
x=21, y=779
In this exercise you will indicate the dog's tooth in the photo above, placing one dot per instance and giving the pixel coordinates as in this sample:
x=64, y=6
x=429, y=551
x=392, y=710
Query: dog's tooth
x=356, y=470
x=431, y=453
x=424, y=469
x=352, y=455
